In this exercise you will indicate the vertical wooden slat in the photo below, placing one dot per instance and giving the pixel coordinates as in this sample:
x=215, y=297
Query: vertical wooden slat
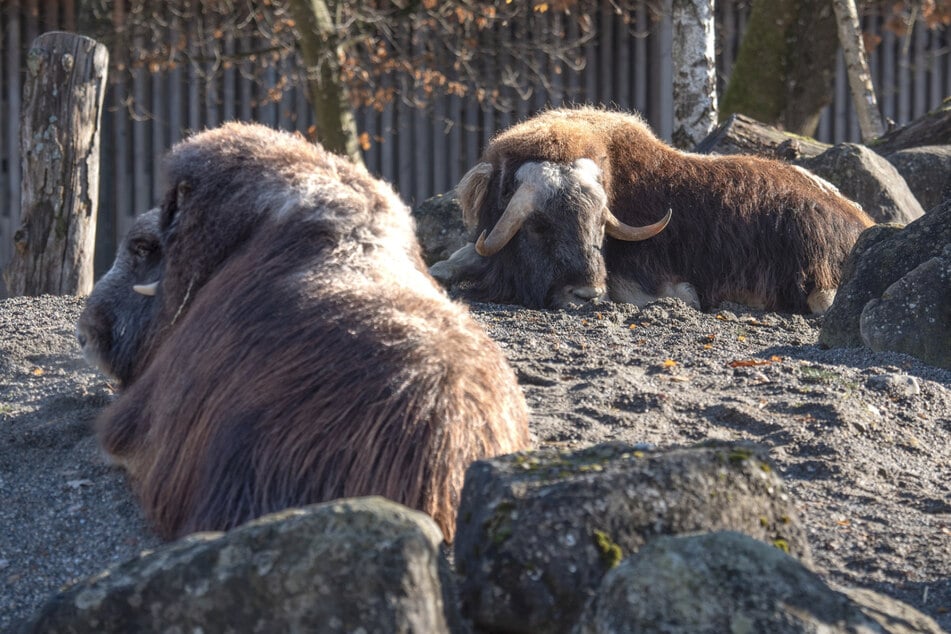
x=389, y=144
x=887, y=91
x=6, y=232
x=404, y=122
x=573, y=78
x=621, y=63
x=605, y=62
x=920, y=65
x=935, y=93
x=454, y=148
x=13, y=59
x=664, y=79
x=245, y=83
x=69, y=15
x=141, y=156
x=904, y=85
x=439, y=157
x=176, y=121
x=591, y=65
x=228, y=96
x=124, y=206
x=639, y=65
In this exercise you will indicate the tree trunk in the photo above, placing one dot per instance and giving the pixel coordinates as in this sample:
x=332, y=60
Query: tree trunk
x=786, y=65
x=860, y=80
x=329, y=95
x=695, y=76
x=933, y=128
x=59, y=146
x=742, y=135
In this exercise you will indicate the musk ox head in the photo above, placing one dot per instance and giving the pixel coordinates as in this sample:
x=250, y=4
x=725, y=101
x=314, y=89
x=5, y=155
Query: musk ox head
x=119, y=312
x=541, y=229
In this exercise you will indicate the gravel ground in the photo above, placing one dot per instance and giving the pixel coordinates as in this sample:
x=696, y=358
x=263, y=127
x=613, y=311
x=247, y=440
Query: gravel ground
x=863, y=439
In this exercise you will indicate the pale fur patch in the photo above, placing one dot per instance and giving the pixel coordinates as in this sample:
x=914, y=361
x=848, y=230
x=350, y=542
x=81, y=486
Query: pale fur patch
x=630, y=292
x=820, y=299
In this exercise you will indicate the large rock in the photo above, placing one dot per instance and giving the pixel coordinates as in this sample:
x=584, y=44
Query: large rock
x=537, y=532
x=728, y=582
x=868, y=179
x=439, y=227
x=882, y=256
x=927, y=171
x=364, y=564
x=913, y=315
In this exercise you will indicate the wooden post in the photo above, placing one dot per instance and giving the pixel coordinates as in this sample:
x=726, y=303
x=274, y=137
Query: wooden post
x=59, y=149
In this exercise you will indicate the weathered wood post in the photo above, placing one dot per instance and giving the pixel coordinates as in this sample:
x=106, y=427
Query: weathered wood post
x=59, y=148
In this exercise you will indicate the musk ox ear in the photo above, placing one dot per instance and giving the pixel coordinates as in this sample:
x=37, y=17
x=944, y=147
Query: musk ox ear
x=471, y=192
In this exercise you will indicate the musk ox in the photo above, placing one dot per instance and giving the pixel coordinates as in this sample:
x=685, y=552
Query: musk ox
x=558, y=200
x=280, y=343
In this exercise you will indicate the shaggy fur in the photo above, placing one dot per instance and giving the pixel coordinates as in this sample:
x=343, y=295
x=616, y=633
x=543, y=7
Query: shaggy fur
x=744, y=229
x=301, y=353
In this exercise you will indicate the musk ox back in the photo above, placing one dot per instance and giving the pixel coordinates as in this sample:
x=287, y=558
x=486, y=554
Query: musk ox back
x=296, y=350
x=743, y=229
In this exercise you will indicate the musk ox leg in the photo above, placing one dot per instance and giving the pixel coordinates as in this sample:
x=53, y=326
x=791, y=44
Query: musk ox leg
x=460, y=265
x=630, y=292
x=820, y=299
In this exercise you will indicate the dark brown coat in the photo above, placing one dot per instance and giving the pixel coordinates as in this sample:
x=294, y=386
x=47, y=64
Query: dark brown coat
x=743, y=229
x=301, y=353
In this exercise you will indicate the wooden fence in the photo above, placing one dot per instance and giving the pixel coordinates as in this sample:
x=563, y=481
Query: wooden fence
x=422, y=152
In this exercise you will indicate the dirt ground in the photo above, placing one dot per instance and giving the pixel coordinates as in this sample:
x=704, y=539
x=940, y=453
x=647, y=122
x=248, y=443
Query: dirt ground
x=863, y=439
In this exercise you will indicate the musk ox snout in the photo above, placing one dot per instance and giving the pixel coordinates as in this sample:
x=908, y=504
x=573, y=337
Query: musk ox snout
x=119, y=313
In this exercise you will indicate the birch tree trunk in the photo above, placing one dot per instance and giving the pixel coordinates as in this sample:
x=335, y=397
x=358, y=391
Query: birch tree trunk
x=695, y=76
x=59, y=146
x=860, y=80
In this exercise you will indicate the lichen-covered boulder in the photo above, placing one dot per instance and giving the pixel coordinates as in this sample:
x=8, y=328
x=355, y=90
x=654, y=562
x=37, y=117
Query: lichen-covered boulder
x=728, y=582
x=439, y=227
x=868, y=179
x=913, y=315
x=537, y=531
x=927, y=171
x=881, y=256
x=362, y=564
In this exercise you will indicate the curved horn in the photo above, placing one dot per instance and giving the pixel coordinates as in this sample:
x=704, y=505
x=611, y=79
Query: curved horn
x=620, y=231
x=511, y=220
x=146, y=289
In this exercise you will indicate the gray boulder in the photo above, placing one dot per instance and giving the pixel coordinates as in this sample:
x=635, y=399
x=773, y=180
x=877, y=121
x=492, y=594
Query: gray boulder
x=362, y=564
x=927, y=171
x=439, y=227
x=882, y=255
x=728, y=582
x=537, y=532
x=868, y=179
x=913, y=315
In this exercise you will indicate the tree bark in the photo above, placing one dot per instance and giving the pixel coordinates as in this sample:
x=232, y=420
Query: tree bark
x=695, y=76
x=786, y=65
x=933, y=128
x=860, y=79
x=59, y=145
x=329, y=95
x=742, y=135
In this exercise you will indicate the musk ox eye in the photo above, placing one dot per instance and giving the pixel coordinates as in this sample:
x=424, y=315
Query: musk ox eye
x=142, y=248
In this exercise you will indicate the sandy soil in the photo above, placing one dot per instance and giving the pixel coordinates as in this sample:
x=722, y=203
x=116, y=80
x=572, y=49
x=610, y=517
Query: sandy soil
x=863, y=439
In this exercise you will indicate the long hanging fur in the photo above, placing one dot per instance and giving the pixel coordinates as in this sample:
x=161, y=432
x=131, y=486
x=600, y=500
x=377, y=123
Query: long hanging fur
x=300, y=351
x=744, y=228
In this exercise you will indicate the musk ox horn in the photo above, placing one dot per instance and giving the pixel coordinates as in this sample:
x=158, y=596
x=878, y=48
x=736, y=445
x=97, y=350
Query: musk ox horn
x=146, y=289
x=620, y=231
x=511, y=220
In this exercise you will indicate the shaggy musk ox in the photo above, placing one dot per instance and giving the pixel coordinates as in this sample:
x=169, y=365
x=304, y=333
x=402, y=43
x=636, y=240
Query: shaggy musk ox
x=744, y=229
x=280, y=343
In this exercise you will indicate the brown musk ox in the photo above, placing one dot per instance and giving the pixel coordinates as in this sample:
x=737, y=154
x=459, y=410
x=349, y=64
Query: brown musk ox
x=295, y=349
x=743, y=229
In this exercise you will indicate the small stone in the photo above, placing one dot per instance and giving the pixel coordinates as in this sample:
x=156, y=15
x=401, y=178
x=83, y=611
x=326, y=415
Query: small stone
x=902, y=385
